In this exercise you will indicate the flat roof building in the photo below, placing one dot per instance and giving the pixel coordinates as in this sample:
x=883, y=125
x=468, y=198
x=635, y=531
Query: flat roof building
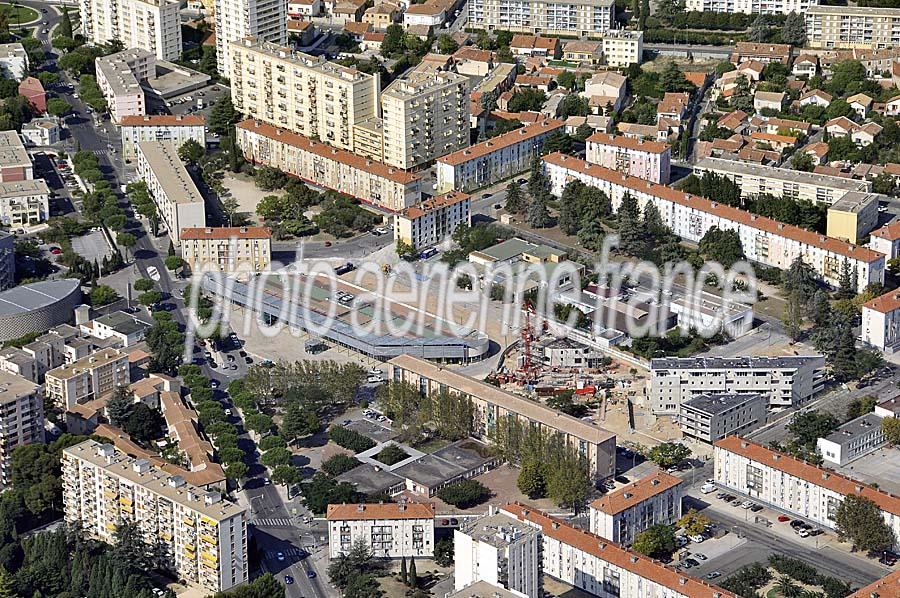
x=119, y=78
x=14, y=62
x=227, y=249
x=852, y=27
x=24, y=203
x=711, y=417
x=177, y=198
x=21, y=418
x=626, y=512
x=89, y=378
x=390, y=530
x=854, y=215
x=575, y=18
x=150, y=25
x=852, y=440
x=15, y=164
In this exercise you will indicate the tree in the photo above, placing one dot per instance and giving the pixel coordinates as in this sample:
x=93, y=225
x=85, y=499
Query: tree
x=143, y=284
x=298, y=421
x=412, y=578
x=759, y=29
x=57, y=107
x=532, y=480
x=891, y=428
x=222, y=116
x=566, y=79
x=787, y=587
x=672, y=79
x=236, y=470
x=794, y=30
x=668, y=454
x=669, y=9
x=65, y=24
x=126, y=240
x=570, y=207
x=538, y=216
x=191, y=152
x=144, y=424
x=443, y=552
x=406, y=251
x=286, y=474
x=119, y=406
x=527, y=99
x=655, y=541
x=802, y=161
x=259, y=422
x=515, y=203
x=150, y=298
x=340, y=463
x=793, y=316
x=173, y=262
x=861, y=406
x=631, y=237
x=723, y=246
x=694, y=523
x=568, y=483
x=809, y=426
x=464, y=494
x=846, y=281
x=103, y=295
x=859, y=520
x=446, y=44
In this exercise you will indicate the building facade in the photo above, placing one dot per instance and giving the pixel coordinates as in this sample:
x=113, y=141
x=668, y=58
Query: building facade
x=783, y=381
x=500, y=550
x=7, y=260
x=623, y=514
x=163, y=127
x=711, y=417
x=852, y=440
x=87, y=379
x=227, y=249
x=853, y=216
x=14, y=62
x=764, y=240
x=304, y=94
x=24, y=203
x=429, y=222
x=424, y=116
x=650, y=160
x=119, y=78
x=751, y=7
x=391, y=530
x=41, y=131
x=578, y=18
x=237, y=19
x=852, y=27
x=151, y=25
x=623, y=47
x=373, y=182
x=493, y=160
x=494, y=406
x=177, y=199
x=881, y=322
x=21, y=418
x=791, y=485
x=206, y=536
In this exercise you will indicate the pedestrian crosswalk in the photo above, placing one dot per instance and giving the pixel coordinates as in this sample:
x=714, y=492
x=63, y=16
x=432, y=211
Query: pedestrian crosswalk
x=272, y=522
x=287, y=552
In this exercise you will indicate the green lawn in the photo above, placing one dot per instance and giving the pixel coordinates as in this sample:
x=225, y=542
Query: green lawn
x=19, y=14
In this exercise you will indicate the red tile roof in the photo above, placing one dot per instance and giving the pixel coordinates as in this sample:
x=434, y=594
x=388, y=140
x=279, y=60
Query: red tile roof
x=812, y=474
x=162, y=120
x=501, y=141
x=615, y=554
x=441, y=201
x=712, y=207
x=886, y=303
x=635, y=492
x=886, y=587
x=651, y=147
x=227, y=232
x=410, y=510
x=891, y=231
x=532, y=42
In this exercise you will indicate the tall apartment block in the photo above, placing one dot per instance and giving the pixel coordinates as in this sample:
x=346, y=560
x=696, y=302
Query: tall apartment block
x=752, y=7
x=852, y=27
x=424, y=116
x=177, y=198
x=21, y=418
x=206, y=536
x=301, y=93
x=119, y=78
x=650, y=160
x=151, y=25
x=237, y=19
x=579, y=18
x=87, y=379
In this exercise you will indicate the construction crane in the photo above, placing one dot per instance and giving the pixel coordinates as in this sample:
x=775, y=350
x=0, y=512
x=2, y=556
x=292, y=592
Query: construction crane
x=529, y=369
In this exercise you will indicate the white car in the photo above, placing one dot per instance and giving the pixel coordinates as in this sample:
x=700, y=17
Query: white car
x=698, y=539
x=153, y=273
x=746, y=504
x=707, y=488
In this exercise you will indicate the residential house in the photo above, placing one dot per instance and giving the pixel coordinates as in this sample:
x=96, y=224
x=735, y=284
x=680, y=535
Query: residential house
x=861, y=104
x=530, y=45
x=381, y=16
x=583, y=51
x=815, y=97
x=773, y=100
x=806, y=65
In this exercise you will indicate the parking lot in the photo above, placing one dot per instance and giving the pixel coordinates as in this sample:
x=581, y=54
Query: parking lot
x=92, y=246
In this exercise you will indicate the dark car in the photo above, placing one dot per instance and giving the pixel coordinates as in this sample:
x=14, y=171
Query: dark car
x=311, y=574
x=797, y=524
x=242, y=353
x=691, y=562
x=454, y=521
x=756, y=508
x=622, y=479
x=288, y=580
x=248, y=360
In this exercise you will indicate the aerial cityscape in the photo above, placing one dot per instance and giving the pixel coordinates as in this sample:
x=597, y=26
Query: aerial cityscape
x=450, y=298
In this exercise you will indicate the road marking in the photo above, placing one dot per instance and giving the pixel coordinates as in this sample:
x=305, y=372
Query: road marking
x=273, y=554
x=272, y=522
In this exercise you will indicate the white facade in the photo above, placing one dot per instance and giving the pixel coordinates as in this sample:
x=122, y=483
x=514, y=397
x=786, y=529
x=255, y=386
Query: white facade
x=151, y=25
x=751, y=7
x=205, y=536
x=430, y=222
x=500, y=550
x=621, y=515
x=41, y=131
x=650, y=160
x=177, y=199
x=21, y=418
x=793, y=486
x=237, y=19
x=623, y=47
x=13, y=61
x=713, y=416
x=89, y=378
x=177, y=129
x=763, y=240
x=119, y=78
x=881, y=322
x=24, y=203
x=390, y=530
x=854, y=439
x=578, y=18
x=784, y=381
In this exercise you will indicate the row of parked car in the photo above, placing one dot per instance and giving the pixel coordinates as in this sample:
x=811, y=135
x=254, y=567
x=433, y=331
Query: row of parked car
x=747, y=504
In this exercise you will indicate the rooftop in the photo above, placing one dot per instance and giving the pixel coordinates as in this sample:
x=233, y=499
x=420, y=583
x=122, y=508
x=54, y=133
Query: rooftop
x=12, y=150
x=499, y=142
x=30, y=297
x=482, y=589
x=856, y=201
x=712, y=207
x=163, y=120
x=852, y=10
x=420, y=82
x=118, y=71
x=365, y=512
x=886, y=303
x=122, y=322
x=886, y=587
x=96, y=360
x=515, y=247
x=729, y=363
x=496, y=529
x=532, y=42
x=226, y=232
x=635, y=493
x=652, y=147
x=317, y=63
x=12, y=387
x=162, y=158
x=855, y=428
x=370, y=479
x=433, y=203
x=716, y=403
x=722, y=165
x=24, y=188
x=143, y=473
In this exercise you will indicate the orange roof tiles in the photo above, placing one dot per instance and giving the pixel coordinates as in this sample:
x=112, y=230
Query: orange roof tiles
x=615, y=554
x=425, y=9
x=441, y=201
x=812, y=474
x=696, y=77
x=886, y=587
x=532, y=42
x=227, y=232
x=474, y=54
x=501, y=141
x=891, y=231
x=773, y=137
x=536, y=80
x=732, y=120
x=651, y=147
x=673, y=103
x=397, y=175
x=295, y=25
x=162, y=120
x=357, y=28
x=635, y=493
x=358, y=512
x=711, y=207
x=886, y=303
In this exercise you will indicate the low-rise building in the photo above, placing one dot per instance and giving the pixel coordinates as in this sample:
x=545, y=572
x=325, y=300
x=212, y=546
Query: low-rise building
x=14, y=63
x=370, y=181
x=390, y=530
x=41, y=131
x=783, y=381
x=24, y=203
x=624, y=513
x=21, y=418
x=178, y=201
x=711, y=417
x=163, y=127
x=886, y=240
x=772, y=100
x=794, y=486
x=530, y=45
x=119, y=78
x=246, y=249
x=205, y=535
x=606, y=88
x=495, y=159
x=429, y=222
x=381, y=16
x=648, y=160
x=15, y=163
x=303, y=9
x=499, y=550
x=87, y=379
x=583, y=51
x=853, y=216
x=852, y=440
x=623, y=47
x=124, y=327
x=761, y=51
x=32, y=89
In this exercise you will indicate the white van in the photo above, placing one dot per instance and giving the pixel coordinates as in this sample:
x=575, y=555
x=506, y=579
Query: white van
x=707, y=488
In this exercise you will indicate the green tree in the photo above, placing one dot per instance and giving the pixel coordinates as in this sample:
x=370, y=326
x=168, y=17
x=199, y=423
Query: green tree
x=515, y=202
x=532, y=480
x=538, y=216
x=527, y=99
x=787, y=587
x=143, y=284
x=173, y=262
x=150, y=298
x=794, y=30
x=802, y=161
x=222, y=116
x=723, y=246
x=144, y=424
x=891, y=428
x=57, y=107
x=340, y=463
x=258, y=422
x=298, y=421
x=793, y=316
x=446, y=44
x=859, y=520
x=861, y=406
x=655, y=541
x=667, y=10
x=413, y=577
x=668, y=454
x=568, y=483
x=443, y=552
x=236, y=470
x=693, y=522
x=286, y=474
x=119, y=406
x=464, y=493
x=103, y=295
x=127, y=241
x=809, y=426
x=672, y=79
x=190, y=152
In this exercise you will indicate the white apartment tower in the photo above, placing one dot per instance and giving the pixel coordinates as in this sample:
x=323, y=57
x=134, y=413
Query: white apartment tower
x=237, y=19
x=621, y=515
x=21, y=418
x=390, y=530
x=151, y=25
x=577, y=18
x=206, y=536
x=752, y=7
x=424, y=116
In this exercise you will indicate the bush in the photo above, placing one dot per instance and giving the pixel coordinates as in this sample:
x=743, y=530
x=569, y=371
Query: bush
x=391, y=455
x=270, y=442
x=795, y=568
x=464, y=494
x=350, y=439
x=339, y=464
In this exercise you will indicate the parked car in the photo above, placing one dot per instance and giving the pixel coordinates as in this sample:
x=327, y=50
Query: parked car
x=288, y=580
x=688, y=563
x=702, y=557
x=746, y=504
x=280, y=556
x=55, y=250
x=311, y=574
x=713, y=574
x=796, y=523
x=756, y=508
x=698, y=538
x=783, y=518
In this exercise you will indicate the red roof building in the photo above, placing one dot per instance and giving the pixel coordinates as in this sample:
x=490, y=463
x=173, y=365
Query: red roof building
x=32, y=89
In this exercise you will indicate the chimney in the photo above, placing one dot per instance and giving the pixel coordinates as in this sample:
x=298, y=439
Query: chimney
x=776, y=457
x=634, y=558
x=744, y=444
x=825, y=475
x=360, y=508
x=176, y=481
x=655, y=482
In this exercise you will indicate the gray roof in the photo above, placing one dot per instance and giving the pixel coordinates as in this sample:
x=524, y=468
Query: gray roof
x=123, y=323
x=511, y=248
x=369, y=479
x=855, y=428
x=715, y=403
x=723, y=165
x=731, y=363
x=430, y=471
x=31, y=297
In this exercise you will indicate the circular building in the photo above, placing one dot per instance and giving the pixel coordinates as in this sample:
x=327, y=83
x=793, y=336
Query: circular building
x=37, y=307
